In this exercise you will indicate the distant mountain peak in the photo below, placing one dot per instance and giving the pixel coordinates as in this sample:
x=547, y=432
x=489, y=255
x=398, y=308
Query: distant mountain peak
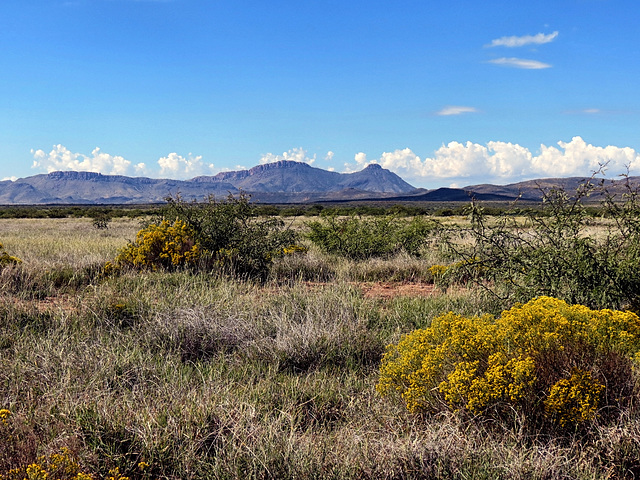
x=281, y=181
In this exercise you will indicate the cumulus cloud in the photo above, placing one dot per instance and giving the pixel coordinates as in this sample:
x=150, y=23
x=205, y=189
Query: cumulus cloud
x=295, y=154
x=361, y=161
x=13, y=179
x=520, y=63
x=177, y=166
x=579, y=158
x=515, y=41
x=173, y=165
x=61, y=158
x=455, y=110
x=502, y=162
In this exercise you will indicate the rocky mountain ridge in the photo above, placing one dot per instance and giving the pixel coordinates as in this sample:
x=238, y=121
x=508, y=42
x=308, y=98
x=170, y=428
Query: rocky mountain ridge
x=284, y=181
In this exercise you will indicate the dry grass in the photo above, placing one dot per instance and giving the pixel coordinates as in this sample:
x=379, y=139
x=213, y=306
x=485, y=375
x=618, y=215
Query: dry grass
x=63, y=242
x=205, y=377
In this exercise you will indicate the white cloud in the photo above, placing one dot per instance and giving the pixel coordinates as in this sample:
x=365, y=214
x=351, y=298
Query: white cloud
x=502, y=162
x=586, y=111
x=177, y=166
x=173, y=165
x=520, y=63
x=13, y=179
x=141, y=169
x=61, y=158
x=361, y=162
x=295, y=154
x=514, y=41
x=455, y=110
x=329, y=156
x=580, y=158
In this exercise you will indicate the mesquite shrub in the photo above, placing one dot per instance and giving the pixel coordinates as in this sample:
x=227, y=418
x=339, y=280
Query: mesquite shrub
x=232, y=238
x=360, y=238
x=551, y=251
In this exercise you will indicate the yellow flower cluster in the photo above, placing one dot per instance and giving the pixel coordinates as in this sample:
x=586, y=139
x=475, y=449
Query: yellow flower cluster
x=6, y=259
x=437, y=272
x=460, y=272
x=164, y=245
x=57, y=466
x=575, y=399
x=114, y=474
x=4, y=415
x=480, y=362
x=294, y=250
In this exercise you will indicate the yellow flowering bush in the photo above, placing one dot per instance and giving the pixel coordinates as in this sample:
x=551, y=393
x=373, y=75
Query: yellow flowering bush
x=545, y=358
x=438, y=272
x=164, y=245
x=6, y=259
x=57, y=466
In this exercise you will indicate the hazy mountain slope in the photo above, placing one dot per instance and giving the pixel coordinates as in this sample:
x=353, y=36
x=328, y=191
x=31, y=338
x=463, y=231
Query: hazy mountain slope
x=532, y=189
x=294, y=181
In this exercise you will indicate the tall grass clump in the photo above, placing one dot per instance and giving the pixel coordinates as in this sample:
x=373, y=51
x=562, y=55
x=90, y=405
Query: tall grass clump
x=556, y=365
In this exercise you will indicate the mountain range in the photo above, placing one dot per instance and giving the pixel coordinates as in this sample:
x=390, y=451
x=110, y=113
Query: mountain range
x=284, y=181
x=279, y=182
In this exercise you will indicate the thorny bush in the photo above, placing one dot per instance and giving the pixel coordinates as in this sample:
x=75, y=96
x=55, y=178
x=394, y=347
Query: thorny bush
x=551, y=251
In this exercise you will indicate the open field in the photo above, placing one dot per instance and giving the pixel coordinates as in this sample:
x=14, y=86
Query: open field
x=179, y=374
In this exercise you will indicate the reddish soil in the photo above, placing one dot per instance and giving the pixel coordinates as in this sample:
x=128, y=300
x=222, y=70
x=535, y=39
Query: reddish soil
x=385, y=290
x=392, y=290
x=62, y=303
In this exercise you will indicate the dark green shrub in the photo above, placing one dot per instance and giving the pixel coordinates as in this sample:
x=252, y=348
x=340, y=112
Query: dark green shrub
x=232, y=238
x=360, y=238
x=101, y=222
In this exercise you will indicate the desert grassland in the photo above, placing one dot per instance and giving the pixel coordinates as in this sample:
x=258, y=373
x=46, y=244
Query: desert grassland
x=65, y=242
x=184, y=375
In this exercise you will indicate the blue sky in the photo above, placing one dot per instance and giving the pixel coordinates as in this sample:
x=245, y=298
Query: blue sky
x=441, y=92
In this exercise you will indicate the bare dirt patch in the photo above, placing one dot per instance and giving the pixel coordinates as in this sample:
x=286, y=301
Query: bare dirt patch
x=62, y=303
x=392, y=290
